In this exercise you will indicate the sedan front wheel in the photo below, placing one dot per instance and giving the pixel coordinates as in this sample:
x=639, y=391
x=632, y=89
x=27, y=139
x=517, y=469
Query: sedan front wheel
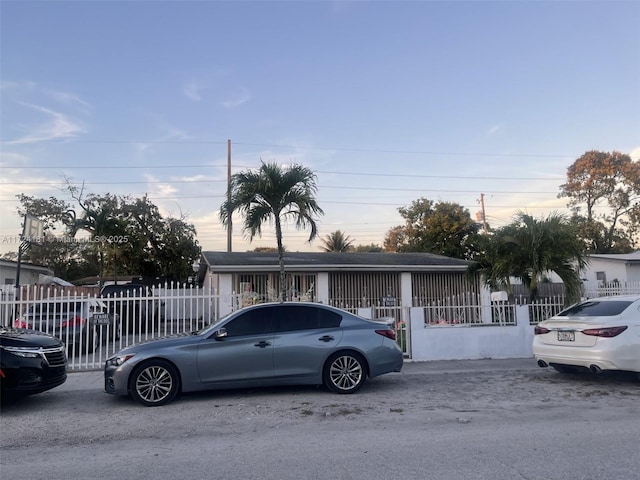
x=154, y=383
x=345, y=372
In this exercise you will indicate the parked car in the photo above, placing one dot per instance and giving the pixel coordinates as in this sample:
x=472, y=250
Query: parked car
x=269, y=344
x=135, y=305
x=597, y=334
x=30, y=362
x=80, y=322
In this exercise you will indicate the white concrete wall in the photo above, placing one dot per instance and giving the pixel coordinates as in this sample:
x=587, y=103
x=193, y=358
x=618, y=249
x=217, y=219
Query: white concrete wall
x=458, y=342
x=613, y=269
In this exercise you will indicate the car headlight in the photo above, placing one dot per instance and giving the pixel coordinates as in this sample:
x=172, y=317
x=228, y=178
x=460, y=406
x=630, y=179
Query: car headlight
x=118, y=360
x=23, y=352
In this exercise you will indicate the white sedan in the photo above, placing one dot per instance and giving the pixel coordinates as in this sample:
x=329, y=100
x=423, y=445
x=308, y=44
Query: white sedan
x=598, y=334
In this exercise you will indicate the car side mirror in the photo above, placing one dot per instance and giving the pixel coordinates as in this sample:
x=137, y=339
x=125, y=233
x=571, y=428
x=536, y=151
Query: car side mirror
x=220, y=334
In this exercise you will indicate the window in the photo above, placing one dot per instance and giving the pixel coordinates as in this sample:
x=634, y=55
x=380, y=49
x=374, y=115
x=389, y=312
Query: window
x=253, y=322
x=595, y=308
x=601, y=277
x=304, y=317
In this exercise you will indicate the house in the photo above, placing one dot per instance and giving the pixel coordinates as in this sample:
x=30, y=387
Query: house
x=348, y=280
x=619, y=273
x=29, y=273
x=607, y=268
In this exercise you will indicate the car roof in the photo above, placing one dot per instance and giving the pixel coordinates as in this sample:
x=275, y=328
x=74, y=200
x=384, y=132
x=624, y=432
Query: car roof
x=614, y=298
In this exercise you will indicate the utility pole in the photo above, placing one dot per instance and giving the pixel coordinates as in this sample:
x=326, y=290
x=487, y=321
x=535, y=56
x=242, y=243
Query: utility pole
x=484, y=215
x=229, y=223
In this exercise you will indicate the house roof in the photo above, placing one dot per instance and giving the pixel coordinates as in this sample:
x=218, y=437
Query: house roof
x=619, y=257
x=26, y=266
x=221, y=262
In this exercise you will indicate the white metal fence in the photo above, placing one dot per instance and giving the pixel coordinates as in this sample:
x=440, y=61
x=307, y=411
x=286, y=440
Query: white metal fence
x=176, y=309
x=600, y=289
x=90, y=336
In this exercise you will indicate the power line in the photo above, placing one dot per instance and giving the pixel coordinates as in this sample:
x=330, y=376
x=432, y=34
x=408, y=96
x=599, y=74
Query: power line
x=294, y=147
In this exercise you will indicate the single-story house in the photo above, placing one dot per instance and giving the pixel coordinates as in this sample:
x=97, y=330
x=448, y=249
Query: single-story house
x=347, y=280
x=29, y=273
x=607, y=268
x=611, y=274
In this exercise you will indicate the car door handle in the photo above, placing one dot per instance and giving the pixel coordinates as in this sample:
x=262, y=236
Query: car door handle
x=326, y=338
x=262, y=344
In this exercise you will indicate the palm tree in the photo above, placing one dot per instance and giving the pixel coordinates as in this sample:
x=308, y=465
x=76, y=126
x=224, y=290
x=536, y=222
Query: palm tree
x=273, y=194
x=337, y=242
x=528, y=248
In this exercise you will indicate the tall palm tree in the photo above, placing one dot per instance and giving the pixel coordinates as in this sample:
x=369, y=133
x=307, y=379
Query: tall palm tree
x=273, y=194
x=337, y=242
x=528, y=248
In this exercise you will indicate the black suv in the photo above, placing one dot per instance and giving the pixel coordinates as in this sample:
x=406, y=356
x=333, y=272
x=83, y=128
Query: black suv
x=134, y=302
x=30, y=362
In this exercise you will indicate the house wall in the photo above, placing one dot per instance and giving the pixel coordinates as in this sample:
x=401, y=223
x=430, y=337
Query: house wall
x=29, y=274
x=614, y=269
x=470, y=342
x=633, y=272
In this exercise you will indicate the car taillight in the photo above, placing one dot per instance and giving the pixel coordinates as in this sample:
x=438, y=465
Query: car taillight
x=604, y=332
x=387, y=333
x=540, y=330
x=73, y=322
x=19, y=323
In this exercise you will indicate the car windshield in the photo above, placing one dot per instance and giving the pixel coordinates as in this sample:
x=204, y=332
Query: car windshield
x=212, y=325
x=595, y=308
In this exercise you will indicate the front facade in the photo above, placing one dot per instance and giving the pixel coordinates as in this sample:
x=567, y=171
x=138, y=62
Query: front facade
x=607, y=268
x=347, y=280
x=350, y=279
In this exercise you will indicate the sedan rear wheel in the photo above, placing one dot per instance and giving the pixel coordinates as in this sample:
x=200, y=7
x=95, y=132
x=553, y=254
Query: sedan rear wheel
x=154, y=383
x=345, y=372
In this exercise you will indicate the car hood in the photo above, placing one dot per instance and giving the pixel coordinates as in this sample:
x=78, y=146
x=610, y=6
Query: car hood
x=163, y=342
x=20, y=337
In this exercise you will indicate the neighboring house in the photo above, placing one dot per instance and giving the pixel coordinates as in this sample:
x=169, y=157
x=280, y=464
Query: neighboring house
x=29, y=274
x=347, y=280
x=613, y=271
x=606, y=268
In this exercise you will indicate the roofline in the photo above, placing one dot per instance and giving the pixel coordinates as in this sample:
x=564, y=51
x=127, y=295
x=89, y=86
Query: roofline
x=337, y=268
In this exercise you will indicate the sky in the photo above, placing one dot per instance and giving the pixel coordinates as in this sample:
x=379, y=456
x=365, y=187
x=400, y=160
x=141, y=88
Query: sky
x=387, y=102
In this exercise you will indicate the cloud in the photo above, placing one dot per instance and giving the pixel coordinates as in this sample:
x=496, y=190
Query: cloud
x=192, y=90
x=238, y=99
x=67, y=98
x=12, y=159
x=635, y=154
x=497, y=128
x=57, y=126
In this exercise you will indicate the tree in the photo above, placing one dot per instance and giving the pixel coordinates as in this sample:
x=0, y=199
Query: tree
x=443, y=228
x=610, y=180
x=337, y=242
x=371, y=248
x=67, y=258
x=125, y=237
x=101, y=218
x=273, y=194
x=528, y=248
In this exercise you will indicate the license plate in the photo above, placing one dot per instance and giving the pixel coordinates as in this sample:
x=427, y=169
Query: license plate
x=566, y=336
x=100, y=319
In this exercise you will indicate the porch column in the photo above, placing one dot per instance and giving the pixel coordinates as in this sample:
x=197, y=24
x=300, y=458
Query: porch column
x=323, y=288
x=226, y=293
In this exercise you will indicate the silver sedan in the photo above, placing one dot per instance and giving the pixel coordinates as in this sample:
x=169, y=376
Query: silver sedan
x=287, y=343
